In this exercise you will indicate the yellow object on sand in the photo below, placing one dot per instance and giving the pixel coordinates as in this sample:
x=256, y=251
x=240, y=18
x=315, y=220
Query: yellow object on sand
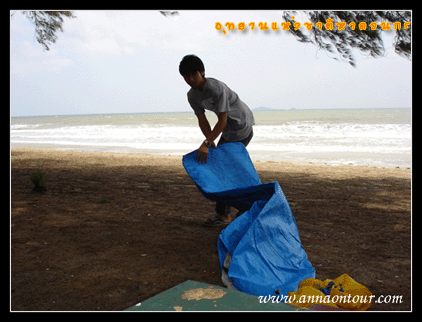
x=343, y=292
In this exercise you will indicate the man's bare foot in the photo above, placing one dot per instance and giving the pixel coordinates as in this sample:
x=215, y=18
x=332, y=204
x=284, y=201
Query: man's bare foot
x=218, y=220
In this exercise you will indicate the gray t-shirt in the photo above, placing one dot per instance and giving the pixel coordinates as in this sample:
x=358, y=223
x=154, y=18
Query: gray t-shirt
x=218, y=97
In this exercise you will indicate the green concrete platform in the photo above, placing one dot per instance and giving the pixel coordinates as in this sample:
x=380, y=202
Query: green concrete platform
x=196, y=296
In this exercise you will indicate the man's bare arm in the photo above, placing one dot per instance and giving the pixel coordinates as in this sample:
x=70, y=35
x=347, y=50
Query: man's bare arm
x=204, y=125
x=210, y=135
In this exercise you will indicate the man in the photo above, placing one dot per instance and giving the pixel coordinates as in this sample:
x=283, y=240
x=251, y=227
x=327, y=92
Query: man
x=235, y=119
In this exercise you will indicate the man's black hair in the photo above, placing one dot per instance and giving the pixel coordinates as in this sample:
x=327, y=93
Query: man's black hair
x=191, y=64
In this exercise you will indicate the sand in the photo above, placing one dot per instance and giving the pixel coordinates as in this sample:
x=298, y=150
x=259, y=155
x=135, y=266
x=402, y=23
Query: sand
x=113, y=230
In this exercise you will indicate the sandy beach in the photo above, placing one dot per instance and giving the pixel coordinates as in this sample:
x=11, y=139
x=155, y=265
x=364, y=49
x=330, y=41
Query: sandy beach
x=114, y=229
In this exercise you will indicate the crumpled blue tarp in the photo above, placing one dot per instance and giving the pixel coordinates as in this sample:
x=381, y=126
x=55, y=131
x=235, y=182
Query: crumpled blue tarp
x=264, y=244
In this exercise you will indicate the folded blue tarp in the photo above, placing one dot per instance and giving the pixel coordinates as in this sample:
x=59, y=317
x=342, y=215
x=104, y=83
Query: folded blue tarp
x=264, y=244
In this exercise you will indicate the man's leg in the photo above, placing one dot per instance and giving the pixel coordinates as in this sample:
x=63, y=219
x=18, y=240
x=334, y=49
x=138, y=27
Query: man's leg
x=248, y=139
x=223, y=211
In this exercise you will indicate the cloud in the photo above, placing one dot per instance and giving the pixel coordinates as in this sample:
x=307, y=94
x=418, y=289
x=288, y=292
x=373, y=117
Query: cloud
x=105, y=46
x=26, y=55
x=130, y=56
x=114, y=33
x=107, y=33
x=28, y=58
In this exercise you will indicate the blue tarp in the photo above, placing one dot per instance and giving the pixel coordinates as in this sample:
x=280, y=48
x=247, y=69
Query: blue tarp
x=264, y=244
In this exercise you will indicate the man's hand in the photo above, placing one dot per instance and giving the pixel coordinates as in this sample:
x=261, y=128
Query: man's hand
x=202, y=156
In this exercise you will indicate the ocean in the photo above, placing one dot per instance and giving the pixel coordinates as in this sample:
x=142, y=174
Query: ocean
x=375, y=137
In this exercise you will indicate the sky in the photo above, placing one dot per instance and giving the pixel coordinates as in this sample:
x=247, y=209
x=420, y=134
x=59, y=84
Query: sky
x=128, y=62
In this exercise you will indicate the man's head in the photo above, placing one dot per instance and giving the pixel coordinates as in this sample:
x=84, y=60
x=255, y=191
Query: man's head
x=191, y=64
x=193, y=71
